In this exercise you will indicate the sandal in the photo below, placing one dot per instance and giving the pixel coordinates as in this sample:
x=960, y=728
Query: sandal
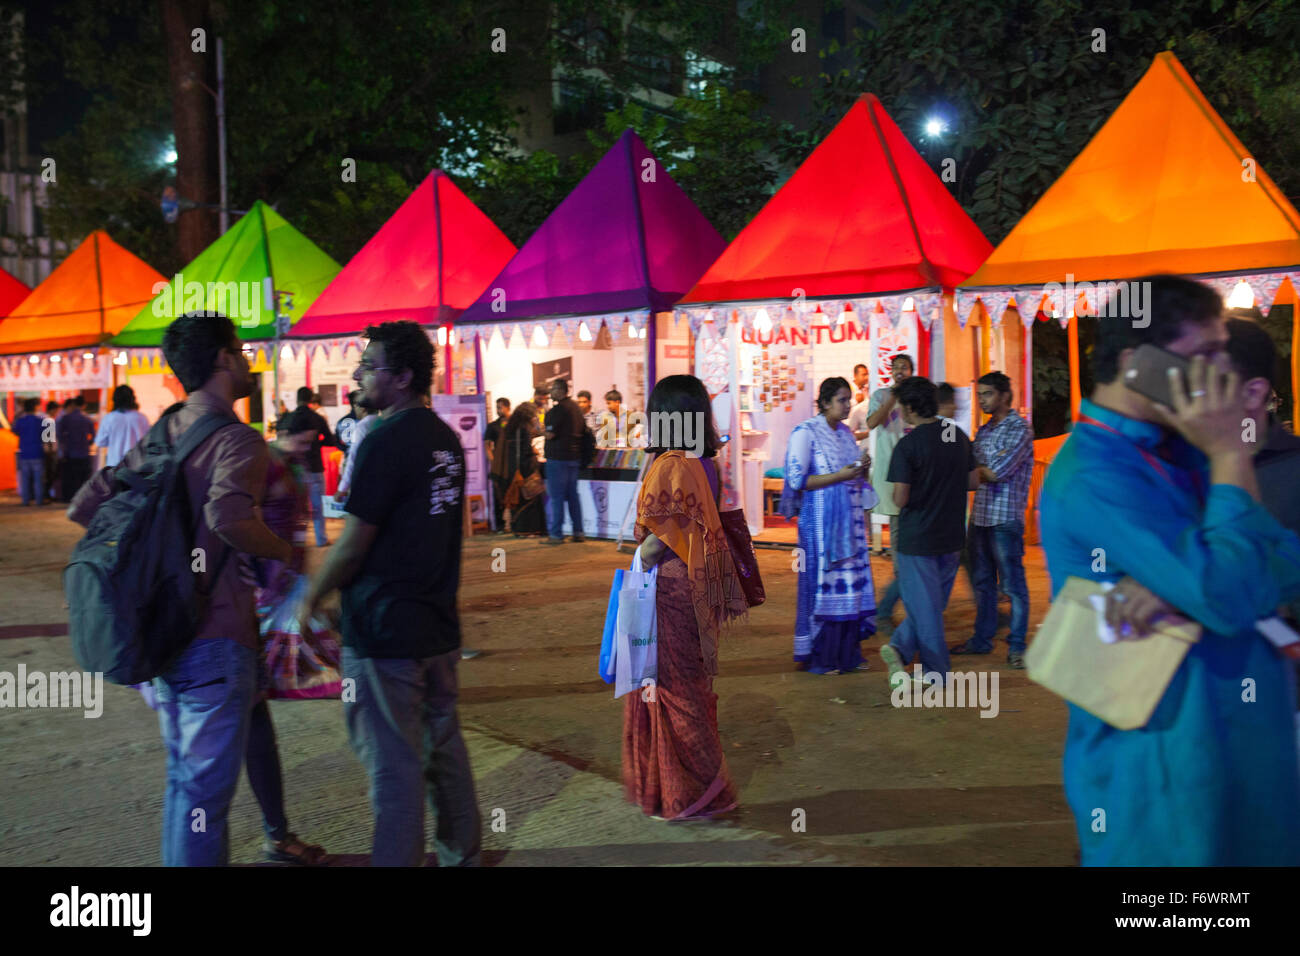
x=293, y=850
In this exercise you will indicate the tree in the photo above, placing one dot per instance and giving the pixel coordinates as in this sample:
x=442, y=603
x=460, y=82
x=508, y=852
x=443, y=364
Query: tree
x=191, y=67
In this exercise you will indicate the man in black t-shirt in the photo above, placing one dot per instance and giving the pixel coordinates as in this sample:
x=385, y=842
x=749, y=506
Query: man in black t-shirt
x=932, y=469
x=564, y=428
x=398, y=565
x=492, y=437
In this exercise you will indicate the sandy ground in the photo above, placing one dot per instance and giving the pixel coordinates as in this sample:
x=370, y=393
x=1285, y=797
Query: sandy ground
x=875, y=784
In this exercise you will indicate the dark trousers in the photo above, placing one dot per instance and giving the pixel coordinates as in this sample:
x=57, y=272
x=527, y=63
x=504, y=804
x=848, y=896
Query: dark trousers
x=403, y=726
x=262, y=762
x=74, y=473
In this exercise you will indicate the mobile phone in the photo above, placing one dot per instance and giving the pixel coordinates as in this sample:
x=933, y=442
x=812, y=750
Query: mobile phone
x=1148, y=375
x=723, y=439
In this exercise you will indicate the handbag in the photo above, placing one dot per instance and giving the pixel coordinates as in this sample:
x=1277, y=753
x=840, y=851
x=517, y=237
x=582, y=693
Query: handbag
x=1121, y=683
x=743, y=556
x=636, y=629
x=605, y=664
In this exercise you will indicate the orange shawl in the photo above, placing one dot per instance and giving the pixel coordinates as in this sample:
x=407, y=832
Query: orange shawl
x=677, y=506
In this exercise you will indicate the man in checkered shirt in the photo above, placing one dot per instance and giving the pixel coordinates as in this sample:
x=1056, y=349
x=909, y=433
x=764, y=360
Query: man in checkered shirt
x=1004, y=450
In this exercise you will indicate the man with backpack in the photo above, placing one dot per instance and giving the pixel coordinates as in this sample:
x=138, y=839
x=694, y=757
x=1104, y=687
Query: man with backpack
x=205, y=688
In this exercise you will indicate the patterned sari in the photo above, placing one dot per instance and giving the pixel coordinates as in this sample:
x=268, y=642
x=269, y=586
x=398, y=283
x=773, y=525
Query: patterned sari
x=836, y=604
x=673, y=764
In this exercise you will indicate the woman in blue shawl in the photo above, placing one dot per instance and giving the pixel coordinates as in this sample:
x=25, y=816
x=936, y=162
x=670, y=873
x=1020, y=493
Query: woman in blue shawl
x=824, y=486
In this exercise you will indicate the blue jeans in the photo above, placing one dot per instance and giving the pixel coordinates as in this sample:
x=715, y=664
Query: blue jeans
x=315, y=488
x=885, y=606
x=925, y=581
x=204, y=702
x=997, y=564
x=562, y=488
x=403, y=725
x=31, y=479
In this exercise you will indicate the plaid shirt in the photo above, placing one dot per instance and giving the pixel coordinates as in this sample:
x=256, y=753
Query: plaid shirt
x=1007, y=448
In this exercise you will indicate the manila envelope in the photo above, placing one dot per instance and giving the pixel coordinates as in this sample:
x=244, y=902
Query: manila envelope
x=1119, y=683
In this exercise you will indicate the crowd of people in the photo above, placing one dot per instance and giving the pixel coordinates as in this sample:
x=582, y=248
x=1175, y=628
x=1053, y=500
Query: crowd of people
x=1191, y=510
x=58, y=448
x=923, y=468
x=535, y=452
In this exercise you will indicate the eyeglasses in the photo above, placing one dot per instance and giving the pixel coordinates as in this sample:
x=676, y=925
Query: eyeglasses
x=364, y=367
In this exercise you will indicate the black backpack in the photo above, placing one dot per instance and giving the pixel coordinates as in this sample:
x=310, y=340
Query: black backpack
x=134, y=604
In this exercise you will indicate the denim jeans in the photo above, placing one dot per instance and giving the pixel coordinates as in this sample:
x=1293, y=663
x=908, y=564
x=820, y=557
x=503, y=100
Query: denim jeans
x=925, y=581
x=885, y=606
x=562, y=488
x=315, y=482
x=31, y=479
x=997, y=564
x=204, y=702
x=403, y=726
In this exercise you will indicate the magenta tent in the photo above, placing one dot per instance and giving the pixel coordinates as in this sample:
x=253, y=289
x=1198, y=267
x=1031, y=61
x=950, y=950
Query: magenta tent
x=621, y=248
x=588, y=299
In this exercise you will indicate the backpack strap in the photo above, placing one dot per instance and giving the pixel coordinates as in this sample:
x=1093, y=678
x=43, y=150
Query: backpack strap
x=199, y=432
x=189, y=442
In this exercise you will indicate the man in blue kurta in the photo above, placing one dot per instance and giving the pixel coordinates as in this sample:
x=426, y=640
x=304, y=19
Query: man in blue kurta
x=1170, y=499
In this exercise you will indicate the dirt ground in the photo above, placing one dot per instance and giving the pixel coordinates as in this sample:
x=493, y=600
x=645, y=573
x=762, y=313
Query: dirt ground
x=877, y=785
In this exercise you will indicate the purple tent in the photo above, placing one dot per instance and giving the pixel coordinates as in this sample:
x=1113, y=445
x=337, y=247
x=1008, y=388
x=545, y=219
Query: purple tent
x=627, y=238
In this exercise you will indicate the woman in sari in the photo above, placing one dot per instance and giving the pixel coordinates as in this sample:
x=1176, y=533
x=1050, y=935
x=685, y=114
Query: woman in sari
x=824, y=486
x=673, y=764
x=518, y=463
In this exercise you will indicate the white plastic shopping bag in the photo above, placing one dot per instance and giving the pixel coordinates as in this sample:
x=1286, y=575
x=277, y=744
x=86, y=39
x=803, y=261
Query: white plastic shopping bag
x=636, y=632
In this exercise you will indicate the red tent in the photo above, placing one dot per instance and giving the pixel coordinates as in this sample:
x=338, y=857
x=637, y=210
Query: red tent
x=864, y=214
x=427, y=263
x=12, y=292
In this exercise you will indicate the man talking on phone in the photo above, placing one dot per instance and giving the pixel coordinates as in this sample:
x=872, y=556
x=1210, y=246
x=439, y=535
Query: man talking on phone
x=1164, y=492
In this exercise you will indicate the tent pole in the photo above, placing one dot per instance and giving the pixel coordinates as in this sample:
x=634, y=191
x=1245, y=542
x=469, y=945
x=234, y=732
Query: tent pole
x=1075, y=388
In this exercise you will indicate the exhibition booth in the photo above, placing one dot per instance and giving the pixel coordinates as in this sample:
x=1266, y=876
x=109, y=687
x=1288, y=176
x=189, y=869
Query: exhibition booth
x=853, y=261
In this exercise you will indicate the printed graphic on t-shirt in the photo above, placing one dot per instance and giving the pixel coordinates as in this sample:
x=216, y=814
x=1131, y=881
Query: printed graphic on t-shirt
x=444, y=489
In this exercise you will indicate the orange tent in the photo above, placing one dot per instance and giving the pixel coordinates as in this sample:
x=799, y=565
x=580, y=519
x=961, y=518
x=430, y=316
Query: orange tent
x=1163, y=186
x=90, y=297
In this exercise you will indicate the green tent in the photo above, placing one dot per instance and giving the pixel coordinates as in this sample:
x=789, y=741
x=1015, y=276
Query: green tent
x=230, y=276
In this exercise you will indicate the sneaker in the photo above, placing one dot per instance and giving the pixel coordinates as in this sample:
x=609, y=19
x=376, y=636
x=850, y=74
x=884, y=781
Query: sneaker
x=1016, y=661
x=889, y=654
x=966, y=648
x=466, y=654
x=555, y=541
x=577, y=539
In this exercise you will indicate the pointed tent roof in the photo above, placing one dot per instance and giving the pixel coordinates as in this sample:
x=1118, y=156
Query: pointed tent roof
x=863, y=214
x=89, y=297
x=616, y=243
x=260, y=244
x=1159, y=188
x=12, y=292
x=427, y=263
